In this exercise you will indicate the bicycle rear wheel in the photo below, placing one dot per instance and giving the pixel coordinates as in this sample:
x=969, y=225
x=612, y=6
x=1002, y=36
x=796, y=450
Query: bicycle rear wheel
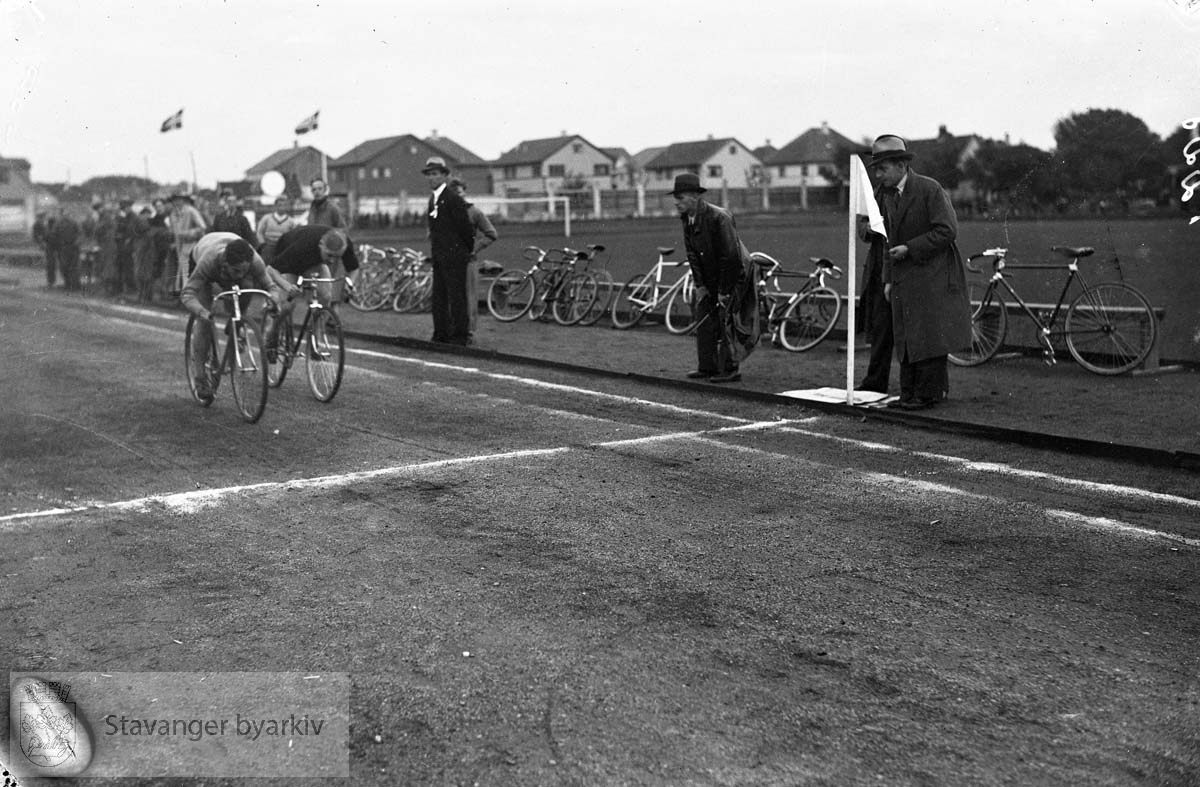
x=325, y=351
x=680, y=315
x=1110, y=328
x=605, y=286
x=811, y=318
x=211, y=367
x=247, y=369
x=632, y=301
x=510, y=295
x=989, y=324
x=575, y=299
x=280, y=360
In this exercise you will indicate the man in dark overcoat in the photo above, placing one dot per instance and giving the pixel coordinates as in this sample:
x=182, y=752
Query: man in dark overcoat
x=923, y=275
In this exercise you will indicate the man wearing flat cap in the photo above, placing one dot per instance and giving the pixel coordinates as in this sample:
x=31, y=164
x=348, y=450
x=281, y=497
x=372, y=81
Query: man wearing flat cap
x=451, y=240
x=726, y=320
x=923, y=277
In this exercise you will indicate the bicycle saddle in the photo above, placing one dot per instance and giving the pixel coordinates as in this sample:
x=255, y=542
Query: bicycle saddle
x=821, y=262
x=665, y=250
x=596, y=247
x=1074, y=251
x=763, y=263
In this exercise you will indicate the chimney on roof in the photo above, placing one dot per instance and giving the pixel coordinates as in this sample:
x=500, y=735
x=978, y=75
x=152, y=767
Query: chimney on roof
x=433, y=134
x=1006, y=142
x=562, y=133
x=942, y=132
x=710, y=136
x=825, y=127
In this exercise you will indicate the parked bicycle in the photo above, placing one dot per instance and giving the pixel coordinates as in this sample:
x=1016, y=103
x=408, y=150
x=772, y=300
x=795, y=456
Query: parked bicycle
x=798, y=321
x=605, y=285
x=551, y=284
x=1109, y=328
x=320, y=339
x=646, y=293
x=243, y=359
x=383, y=274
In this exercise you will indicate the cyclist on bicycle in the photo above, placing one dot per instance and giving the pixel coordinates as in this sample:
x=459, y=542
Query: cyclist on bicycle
x=221, y=260
x=311, y=251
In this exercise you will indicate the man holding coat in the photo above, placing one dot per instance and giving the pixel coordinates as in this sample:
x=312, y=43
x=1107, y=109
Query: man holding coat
x=923, y=275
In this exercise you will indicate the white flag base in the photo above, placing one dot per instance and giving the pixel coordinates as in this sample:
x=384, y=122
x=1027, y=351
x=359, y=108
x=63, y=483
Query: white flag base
x=837, y=396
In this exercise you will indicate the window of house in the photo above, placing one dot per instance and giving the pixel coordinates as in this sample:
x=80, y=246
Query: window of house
x=782, y=171
x=556, y=170
x=362, y=173
x=577, y=147
x=600, y=169
x=510, y=173
x=733, y=150
x=3, y=174
x=714, y=171
x=387, y=172
x=375, y=173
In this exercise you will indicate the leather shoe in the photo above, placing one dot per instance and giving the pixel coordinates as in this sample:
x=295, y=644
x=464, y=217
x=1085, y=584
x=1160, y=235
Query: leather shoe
x=899, y=403
x=918, y=404
x=699, y=374
x=728, y=377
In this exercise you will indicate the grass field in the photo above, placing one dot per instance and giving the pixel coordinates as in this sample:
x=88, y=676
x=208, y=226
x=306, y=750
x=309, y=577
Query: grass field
x=1161, y=257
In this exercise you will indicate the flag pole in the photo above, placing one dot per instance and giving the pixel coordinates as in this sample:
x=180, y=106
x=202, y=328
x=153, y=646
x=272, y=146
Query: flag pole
x=195, y=183
x=851, y=289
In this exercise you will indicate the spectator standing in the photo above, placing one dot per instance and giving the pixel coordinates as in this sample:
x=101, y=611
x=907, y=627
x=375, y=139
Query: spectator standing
x=271, y=228
x=875, y=312
x=229, y=218
x=126, y=237
x=322, y=210
x=160, y=239
x=721, y=269
x=144, y=255
x=64, y=238
x=41, y=236
x=451, y=239
x=187, y=227
x=923, y=275
x=106, y=241
x=485, y=235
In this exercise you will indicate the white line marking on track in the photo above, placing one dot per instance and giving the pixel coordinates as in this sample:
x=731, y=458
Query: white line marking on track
x=1104, y=523
x=535, y=383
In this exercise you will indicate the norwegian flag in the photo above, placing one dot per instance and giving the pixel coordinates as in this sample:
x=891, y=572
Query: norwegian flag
x=175, y=121
x=309, y=123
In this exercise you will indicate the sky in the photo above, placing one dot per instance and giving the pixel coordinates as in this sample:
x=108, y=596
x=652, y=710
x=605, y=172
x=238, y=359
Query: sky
x=86, y=85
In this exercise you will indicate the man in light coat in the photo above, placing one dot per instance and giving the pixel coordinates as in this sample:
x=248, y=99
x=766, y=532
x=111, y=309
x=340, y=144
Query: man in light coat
x=923, y=275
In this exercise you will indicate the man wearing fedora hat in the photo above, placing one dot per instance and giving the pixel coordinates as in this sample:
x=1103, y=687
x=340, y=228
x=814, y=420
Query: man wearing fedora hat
x=451, y=240
x=720, y=266
x=922, y=274
x=187, y=226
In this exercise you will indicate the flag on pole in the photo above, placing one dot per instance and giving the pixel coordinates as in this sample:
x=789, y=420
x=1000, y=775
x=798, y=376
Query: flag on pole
x=175, y=121
x=866, y=205
x=309, y=123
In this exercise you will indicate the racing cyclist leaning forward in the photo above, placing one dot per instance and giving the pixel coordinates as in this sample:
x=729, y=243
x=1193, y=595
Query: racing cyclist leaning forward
x=311, y=251
x=221, y=260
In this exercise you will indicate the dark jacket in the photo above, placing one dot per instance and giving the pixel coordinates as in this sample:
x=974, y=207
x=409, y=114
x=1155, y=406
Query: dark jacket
x=931, y=314
x=451, y=233
x=236, y=223
x=713, y=248
x=299, y=250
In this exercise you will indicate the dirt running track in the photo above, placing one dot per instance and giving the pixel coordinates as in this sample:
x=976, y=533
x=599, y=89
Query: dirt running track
x=654, y=591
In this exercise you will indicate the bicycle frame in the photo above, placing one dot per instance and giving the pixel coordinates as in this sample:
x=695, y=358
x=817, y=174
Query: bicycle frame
x=661, y=295
x=309, y=285
x=233, y=357
x=1045, y=327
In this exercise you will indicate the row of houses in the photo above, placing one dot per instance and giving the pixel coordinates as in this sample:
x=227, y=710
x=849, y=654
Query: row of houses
x=383, y=175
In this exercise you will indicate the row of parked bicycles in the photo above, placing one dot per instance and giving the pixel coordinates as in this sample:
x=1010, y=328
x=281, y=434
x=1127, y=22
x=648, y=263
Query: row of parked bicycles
x=401, y=280
x=569, y=286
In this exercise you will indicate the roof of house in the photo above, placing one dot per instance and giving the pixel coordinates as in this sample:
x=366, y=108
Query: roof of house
x=642, y=156
x=535, y=151
x=616, y=154
x=452, y=150
x=689, y=154
x=365, y=151
x=924, y=147
x=278, y=159
x=765, y=151
x=19, y=162
x=818, y=145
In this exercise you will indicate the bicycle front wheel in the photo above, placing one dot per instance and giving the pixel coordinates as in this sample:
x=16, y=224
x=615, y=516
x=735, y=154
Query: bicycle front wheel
x=207, y=373
x=811, y=318
x=575, y=299
x=279, y=360
x=1110, y=328
x=989, y=325
x=680, y=316
x=247, y=370
x=633, y=300
x=325, y=351
x=511, y=295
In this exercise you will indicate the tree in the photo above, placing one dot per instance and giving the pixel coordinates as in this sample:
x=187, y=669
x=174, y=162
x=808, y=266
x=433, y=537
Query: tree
x=1024, y=173
x=1105, y=151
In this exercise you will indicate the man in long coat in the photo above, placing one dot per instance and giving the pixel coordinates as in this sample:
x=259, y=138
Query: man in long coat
x=451, y=239
x=923, y=275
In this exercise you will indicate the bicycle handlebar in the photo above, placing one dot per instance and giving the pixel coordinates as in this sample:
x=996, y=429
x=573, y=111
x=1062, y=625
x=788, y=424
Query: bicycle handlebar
x=239, y=291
